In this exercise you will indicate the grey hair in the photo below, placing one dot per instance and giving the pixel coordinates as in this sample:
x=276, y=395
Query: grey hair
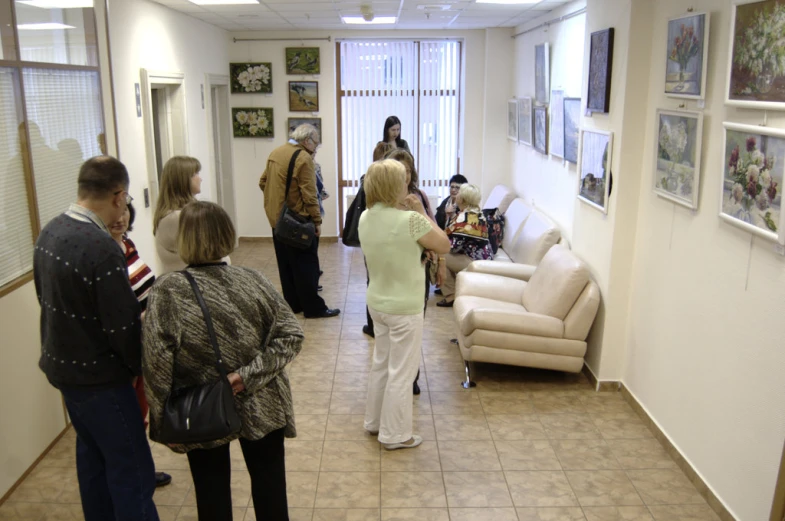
x=303, y=132
x=470, y=196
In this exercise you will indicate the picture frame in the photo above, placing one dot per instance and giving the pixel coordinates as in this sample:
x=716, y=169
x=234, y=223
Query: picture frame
x=687, y=56
x=756, y=76
x=293, y=123
x=542, y=73
x=556, y=133
x=594, y=168
x=303, y=96
x=752, y=180
x=541, y=130
x=303, y=60
x=251, y=78
x=572, y=129
x=525, y=120
x=677, y=157
x=600, y=71
x=253, y=122
x=512, y=119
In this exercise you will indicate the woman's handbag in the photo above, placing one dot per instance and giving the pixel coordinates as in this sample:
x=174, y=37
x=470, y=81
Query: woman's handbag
x=351, y=226
x=201, y=413
x=292, y=228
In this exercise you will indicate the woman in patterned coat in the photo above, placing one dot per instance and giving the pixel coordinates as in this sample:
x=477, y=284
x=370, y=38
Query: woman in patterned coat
x=258, y=335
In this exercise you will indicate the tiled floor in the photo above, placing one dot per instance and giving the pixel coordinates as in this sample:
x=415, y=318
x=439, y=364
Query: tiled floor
x=523, y=445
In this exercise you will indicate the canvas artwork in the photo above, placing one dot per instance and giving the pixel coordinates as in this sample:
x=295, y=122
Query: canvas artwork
x=687, y=56
x=572, y=125
x=303, y=96
x=556, y=136
x=252, y=122
x=756, y=67
x=302, y=60
x=541, y=130
x=251, y=77
x=677, y=163
x=525, y=121
x=512, y=119
x=296, y=122
x=595, y=168
x=541, y=73
x=600, y=66
x=753, y=166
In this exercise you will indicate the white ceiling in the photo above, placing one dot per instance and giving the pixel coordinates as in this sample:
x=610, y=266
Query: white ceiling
x=326, y=14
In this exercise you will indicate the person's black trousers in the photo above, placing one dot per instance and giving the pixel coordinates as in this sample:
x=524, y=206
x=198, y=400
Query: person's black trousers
x=299, y=272
x=211, y=472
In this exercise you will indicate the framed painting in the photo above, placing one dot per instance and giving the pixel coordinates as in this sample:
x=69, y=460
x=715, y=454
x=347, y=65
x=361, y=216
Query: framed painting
x=751, y=192
x=303, y=96
x=600, y=68
x=302, y=60
x=678, y=158
x=556, y=135
x=525, y=121
x=756, y=70
x=541, y=73
x=541, y=130
x=512, y=119
x=296, y=122
x=253, y=122
x=687, y=56
x=594, y=166
x=251, y=78
x=572, y=125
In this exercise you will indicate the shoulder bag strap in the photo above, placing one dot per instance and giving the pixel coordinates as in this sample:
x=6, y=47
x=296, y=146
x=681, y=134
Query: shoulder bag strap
x=289, y=174
x=210, y=331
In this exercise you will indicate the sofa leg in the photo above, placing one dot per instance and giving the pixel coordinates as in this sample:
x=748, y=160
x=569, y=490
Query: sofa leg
x=467, y=384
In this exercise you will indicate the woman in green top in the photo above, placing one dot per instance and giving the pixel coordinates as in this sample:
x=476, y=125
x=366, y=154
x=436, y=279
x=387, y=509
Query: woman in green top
x=394, y=231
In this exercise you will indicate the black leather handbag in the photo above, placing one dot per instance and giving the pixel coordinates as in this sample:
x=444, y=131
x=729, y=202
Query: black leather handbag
x=292, y=228
x=351, y=225
x=201, y=413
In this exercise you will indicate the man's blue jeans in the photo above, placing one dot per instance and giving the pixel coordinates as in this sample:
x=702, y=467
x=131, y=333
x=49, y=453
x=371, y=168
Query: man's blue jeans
x=113, y=460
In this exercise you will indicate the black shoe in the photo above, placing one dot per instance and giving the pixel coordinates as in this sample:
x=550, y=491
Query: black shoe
x=321, y=273
x=416, y=388
x=368, y=331
x=327, y=313
x=444, y=303
x=437, y=291
x=319, y=288
x=162, y=479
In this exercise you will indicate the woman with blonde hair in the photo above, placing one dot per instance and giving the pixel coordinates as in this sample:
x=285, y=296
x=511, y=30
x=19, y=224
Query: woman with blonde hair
x=394, y=297
x=180, y=182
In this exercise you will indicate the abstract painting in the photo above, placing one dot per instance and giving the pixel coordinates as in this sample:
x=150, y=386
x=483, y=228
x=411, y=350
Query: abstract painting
x=756, y=68
x=753, y=166
x=687, y=56
x=296, y=122
x=600, y=67
x=251, y=77
x=541, y=73
x=557, y=123
x=303, y=96
x=302, y=60
x=541, y=130
x=512, y=119
x=678, y=158
x=525, y=121
x=252, y=122
x=572, y=125
x=595, y=168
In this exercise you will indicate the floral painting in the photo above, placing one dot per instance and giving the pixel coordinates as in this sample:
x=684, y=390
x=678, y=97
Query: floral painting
x=525, y=121
x=677, y=165
x=600, y=67
x=541, y=73
x=754, y=163
x=512, y=119
x=252, y=122
x=556, y=136
x=251, y=77
x=541, y=130
x=595, y=168
x=688, y=45
x=303, y=96
x=302, y=60
x=756, y=69
x=572, y=125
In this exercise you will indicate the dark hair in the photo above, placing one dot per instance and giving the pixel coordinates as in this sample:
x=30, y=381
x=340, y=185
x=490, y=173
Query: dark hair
x=458, y=178
x=131, y=217
x=406, y=158
x=205, y=233
x=101, y=176
x=391, y=122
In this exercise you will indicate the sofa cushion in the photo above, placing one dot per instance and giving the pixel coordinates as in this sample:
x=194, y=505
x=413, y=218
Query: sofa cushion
x=501, y=289
x=556, y=283
x=514, y=218
x=493, y=315
x=500, y=197
x=534, y=239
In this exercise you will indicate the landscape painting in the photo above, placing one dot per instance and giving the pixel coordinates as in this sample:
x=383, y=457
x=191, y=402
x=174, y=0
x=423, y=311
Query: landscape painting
x=525, y=121
x=687, y=56
x=541, y=130
x=600, y=68
x=541, y=73
x=512, y=119
x=303, y=96
x=296, y=122
x=677, y=163
x=302, y=60
x=556, y=136
x=595, y=168
x=572, y=125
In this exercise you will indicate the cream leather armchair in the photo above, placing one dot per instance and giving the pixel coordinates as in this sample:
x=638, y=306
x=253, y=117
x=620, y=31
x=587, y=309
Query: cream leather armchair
x=542, y=322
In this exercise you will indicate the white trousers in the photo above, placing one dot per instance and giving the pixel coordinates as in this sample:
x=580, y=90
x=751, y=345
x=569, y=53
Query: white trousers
x=396, y=359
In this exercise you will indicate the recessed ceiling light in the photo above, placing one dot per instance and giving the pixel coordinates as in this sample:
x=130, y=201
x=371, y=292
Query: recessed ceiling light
x=43, y=27
x=223, y=2
x=57, y=4
x=508, y=2
x=375, y=20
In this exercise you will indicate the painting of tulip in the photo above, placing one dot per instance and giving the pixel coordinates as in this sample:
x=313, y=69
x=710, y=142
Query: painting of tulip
x=688, y=45
x=677, y=164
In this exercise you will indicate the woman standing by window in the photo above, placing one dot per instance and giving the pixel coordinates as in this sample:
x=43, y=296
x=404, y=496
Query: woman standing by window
x=392, y=134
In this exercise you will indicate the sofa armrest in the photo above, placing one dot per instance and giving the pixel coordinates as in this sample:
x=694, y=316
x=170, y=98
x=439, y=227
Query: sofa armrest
x=503, y=269
x=492, y=287
x=509, y=321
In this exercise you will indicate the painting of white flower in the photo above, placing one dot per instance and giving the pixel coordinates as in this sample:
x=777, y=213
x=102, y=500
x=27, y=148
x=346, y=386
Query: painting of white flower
x=252, y=122
x=251, y=77
x=677, y=164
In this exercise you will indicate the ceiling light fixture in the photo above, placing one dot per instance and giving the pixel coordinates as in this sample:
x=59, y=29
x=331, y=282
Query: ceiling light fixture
x=44, y=27
x=223, y=2
x=376, y=20
x=57, y=4
x=508, y=2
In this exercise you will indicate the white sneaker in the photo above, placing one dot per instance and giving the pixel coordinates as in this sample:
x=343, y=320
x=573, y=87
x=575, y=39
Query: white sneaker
x=415, y=439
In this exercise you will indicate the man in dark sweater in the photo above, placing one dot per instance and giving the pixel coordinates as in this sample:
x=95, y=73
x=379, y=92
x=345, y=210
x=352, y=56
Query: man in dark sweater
x=91, y=345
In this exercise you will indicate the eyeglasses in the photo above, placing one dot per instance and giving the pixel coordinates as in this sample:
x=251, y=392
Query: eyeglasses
x=128, y=198
x=455, y=187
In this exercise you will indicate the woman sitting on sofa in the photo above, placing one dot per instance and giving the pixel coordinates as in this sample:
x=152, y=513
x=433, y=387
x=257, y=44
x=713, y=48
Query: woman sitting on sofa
x=468, y=234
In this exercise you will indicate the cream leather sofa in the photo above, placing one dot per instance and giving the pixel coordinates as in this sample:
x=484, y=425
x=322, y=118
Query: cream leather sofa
x=542, y=322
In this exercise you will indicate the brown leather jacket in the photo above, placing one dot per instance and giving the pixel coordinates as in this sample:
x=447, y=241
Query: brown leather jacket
x=302, y=192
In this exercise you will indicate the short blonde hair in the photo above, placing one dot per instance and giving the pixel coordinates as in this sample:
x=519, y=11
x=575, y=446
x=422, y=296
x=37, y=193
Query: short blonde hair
x=206, y=233
x=383, y=182
x=470, y=196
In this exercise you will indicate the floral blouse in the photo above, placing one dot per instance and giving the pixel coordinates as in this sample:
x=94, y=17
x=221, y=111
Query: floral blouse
x=468, y=233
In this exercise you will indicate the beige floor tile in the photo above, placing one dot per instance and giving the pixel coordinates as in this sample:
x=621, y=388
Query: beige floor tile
x=348, y=490
x=527, y=455
x=311, y=426
x=348, y=403
x=605, y=403
x=413, y=490
x=683, y=513
x=310, y=381
x=174, y=493
x=346, y=514
x=665, y=487
x=346, y=427
x=295, y=514
x=468, y=456
x=476, y=489
x=617, y=514
x=166, y=460
x=351, y=456
x=314, y=364
x=453, y=403
x=569, y=426
x=621, y=426
x=46, y=484
x=506, y=403
x=585, y=455
x=303, y=455
x=415, y=514
x=421, y=459
x=170, y=513
x=551, y=514
x=558, y=402
x=353, y=363
x=423, y=425
x=597, y=488
x=483, y=514
x=422, y=404
x=22, y=511
x=461, y=427
x=644, y=453
x=347, y=380
x=63, y=513
x=540, y=489
x=516, y=427
x=301, y=489
x=63, y=454
x=190, y=514
x=310, y=403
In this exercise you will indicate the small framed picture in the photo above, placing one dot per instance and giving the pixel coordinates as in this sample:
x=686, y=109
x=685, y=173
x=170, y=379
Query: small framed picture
x=525, y=121
x=303, y=96
x=594, y=166
x=542, y=73
x=556, y=134
x=253, y=122
x=541, y=130
x=302, y=60
x=687, y=55
x=512, y=119
x=678, y=157
x=296, y=122
x=251, y=78
x=600, y=69
x=572, y=126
